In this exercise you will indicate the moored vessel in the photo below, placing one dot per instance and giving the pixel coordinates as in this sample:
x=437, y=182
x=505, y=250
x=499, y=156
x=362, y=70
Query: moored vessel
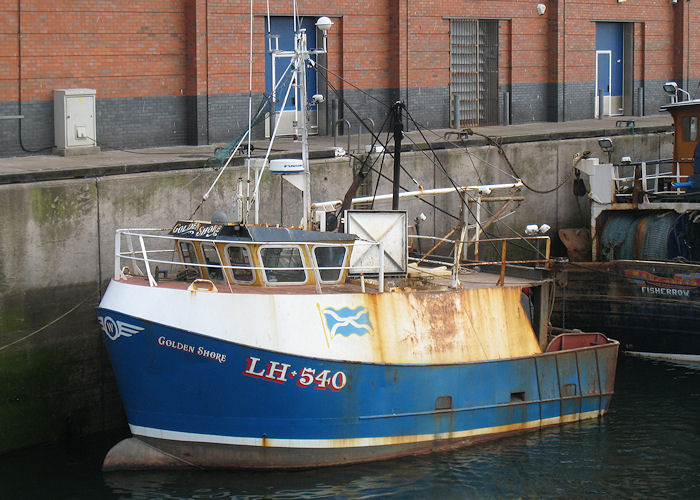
x=239, y=345
x=637, y=277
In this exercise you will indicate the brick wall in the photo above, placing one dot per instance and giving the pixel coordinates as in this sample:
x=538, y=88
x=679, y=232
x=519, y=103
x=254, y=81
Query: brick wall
x=177, y=71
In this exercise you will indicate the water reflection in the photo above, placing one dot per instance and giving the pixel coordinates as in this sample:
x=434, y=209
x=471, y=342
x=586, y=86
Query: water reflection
x=648, y=446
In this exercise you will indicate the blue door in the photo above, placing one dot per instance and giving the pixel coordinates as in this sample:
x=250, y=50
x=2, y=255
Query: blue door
x=609, y=40
x=284, y=28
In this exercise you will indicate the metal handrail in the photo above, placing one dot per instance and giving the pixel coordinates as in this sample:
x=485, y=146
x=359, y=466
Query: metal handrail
x=545, y=252
x=335, y=132
x=651, y=174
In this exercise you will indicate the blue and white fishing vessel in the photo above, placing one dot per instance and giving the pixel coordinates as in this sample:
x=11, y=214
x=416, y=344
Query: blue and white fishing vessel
x=237, y=345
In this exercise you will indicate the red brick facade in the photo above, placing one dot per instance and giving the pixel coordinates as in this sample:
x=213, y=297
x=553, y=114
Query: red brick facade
x=175, y=48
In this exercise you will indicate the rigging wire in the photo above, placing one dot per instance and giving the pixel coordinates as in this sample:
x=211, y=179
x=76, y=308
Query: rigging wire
x=436, y=161
x=418, y=127
x=250, y=78
x=253, y=199
x=469, y=131
x=464, y=201
x=389, y=179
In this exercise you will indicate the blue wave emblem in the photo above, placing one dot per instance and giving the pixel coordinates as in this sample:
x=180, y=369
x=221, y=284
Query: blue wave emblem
x=346, y=321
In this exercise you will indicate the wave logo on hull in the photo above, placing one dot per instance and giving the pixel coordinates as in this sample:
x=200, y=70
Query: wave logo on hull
x=115, y=329
x=346, y=321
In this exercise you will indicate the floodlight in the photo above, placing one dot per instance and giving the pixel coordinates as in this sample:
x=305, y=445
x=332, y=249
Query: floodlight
x=606, y=144
x=671, y=88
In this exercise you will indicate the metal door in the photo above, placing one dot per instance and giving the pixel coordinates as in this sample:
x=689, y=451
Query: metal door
x=473, y=72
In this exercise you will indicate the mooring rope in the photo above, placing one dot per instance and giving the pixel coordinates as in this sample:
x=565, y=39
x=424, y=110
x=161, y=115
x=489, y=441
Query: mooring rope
x=49, y=323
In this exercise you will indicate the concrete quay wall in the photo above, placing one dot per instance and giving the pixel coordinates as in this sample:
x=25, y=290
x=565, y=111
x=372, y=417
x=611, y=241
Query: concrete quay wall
x=57, y=244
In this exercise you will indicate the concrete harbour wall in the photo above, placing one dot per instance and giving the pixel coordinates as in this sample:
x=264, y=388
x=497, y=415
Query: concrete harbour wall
x=57, y=244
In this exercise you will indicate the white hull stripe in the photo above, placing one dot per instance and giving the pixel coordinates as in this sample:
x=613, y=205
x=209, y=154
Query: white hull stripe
x=150, y=432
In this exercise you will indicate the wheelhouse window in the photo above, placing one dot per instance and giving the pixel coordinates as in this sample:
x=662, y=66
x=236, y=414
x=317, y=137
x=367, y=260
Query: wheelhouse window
x=330, y=260
x=239, y=257
x=211, y=258
x=189, y=256
x=286, y=262
x=690, y=128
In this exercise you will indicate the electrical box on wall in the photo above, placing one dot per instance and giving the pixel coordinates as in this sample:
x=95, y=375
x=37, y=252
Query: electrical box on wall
x=74, y=118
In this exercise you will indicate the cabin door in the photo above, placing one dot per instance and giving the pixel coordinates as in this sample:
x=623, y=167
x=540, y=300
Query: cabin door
x=288, y=113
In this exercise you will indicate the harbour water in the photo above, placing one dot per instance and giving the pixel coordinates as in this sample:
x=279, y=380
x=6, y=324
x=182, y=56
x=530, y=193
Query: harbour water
x=647, y=446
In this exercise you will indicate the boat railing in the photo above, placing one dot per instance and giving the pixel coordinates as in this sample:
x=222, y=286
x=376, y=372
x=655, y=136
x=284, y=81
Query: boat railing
x=526, y=250
x=142, y=252
x=652, y=178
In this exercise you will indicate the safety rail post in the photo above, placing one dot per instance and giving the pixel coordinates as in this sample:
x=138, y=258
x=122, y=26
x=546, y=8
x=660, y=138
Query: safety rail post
x=335, y=132
x=132, y=252
x=645, y=179
x=151, y=281
x=117, y=254
x=502, y=275
x=314, y=267
x=381, y=266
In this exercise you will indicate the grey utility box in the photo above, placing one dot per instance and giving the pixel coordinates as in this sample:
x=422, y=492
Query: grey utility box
x=74, y=117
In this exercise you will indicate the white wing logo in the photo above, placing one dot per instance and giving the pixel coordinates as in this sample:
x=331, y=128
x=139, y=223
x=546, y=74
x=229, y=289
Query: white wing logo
x=115, y=329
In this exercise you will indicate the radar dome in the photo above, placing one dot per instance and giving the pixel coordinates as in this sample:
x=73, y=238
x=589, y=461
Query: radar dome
x=219, y=218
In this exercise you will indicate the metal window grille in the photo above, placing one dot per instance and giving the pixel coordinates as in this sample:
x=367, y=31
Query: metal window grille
x=474, y=72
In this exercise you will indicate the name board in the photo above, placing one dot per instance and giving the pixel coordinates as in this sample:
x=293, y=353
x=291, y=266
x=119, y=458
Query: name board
x=205, y=230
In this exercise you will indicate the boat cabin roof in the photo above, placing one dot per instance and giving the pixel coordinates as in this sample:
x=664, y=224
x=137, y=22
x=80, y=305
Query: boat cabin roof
x=681, y=104
x=241, y=232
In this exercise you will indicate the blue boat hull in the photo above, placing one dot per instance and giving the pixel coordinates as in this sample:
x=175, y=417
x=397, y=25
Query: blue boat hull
x=195, y=401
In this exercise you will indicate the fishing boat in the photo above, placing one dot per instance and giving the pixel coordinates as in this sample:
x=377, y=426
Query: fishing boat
x=241, y=345
x=638, y=277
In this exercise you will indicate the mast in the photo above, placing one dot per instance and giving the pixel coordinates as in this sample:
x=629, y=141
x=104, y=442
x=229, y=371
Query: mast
x=303, y=56
x=398, y=135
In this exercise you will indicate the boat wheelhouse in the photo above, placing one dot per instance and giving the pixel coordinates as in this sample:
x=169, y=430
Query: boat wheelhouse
x=235, y=254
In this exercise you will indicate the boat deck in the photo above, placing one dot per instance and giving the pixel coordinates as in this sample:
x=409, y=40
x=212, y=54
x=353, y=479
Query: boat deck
x=468, y=280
